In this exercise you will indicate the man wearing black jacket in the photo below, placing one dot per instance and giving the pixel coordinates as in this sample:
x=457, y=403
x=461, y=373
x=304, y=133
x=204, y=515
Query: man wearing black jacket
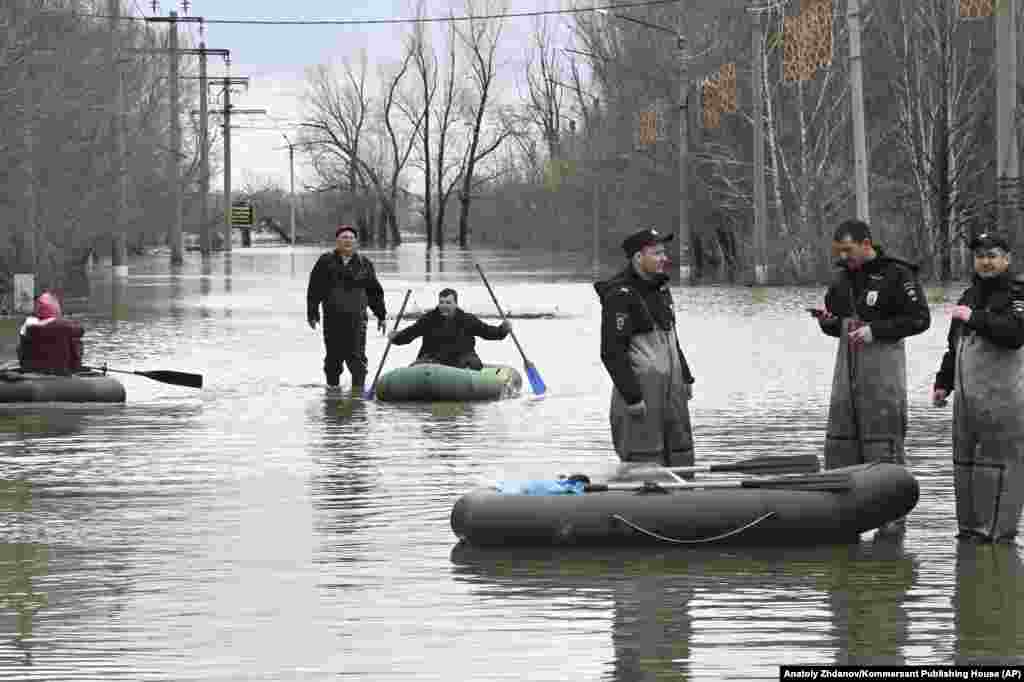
x=449, y=334
x=874, y=303
x=345, y=283
x=649, y=415
x=984, y=364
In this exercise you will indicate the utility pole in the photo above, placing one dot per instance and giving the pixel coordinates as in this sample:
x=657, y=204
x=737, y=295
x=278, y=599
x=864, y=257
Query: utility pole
x=760, y=195
x=227, y=165
x=119, y=246
x=685, y=269
x=1006, y=127
x=175, y=234
x=860, y=155
x=291, y=201
x=205, y=245
x=227, y=112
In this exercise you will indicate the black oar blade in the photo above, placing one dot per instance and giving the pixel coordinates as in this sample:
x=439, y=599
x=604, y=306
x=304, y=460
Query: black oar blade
x=826, y=482
x=176, y=378
x=787, y=464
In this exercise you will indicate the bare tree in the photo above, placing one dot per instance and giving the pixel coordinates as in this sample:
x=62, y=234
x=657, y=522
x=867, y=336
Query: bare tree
x=940, y=85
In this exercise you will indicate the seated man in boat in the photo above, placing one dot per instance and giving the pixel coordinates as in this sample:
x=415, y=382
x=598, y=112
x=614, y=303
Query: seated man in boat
x=49, y=342
x=449, y=334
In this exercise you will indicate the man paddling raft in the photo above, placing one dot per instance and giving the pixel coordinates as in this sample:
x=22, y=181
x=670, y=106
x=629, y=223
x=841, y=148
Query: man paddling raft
x=449, y=334
x=984, y=367
x=649, y=415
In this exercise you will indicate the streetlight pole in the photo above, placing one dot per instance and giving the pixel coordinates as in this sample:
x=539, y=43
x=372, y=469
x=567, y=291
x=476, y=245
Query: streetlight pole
x=291, y=173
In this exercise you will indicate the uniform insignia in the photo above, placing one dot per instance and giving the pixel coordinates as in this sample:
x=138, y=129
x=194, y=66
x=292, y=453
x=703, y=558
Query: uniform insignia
x=877, y=277
x=620, y=321
x=911, y=290
x=624, y=290
x=872, y=298
x=1018, y=307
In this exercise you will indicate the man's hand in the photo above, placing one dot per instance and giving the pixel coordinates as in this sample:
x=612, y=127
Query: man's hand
x=820, y=313
x=382, y=327
x=860, y=337
x=638, y=410
x=506, y=326
x=687, y=391
x=962, y=313
x=392, y=335
x=312, y=322
x=940, y=397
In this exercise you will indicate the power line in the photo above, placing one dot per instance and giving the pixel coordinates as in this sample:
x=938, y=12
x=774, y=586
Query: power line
x=423, y=20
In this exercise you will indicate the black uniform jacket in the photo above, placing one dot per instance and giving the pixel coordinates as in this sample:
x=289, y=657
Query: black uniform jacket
x=885, y=293
x=344, y=290
x=997, y=313
x=447, y=339
x=632, y=305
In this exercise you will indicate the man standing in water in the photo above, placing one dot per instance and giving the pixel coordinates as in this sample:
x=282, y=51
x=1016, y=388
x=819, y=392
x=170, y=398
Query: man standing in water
x=345, y=283
x=874, y=303
x=649, y=415
x=985, y=366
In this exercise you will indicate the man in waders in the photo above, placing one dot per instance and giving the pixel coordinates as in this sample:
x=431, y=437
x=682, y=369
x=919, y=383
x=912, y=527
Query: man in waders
x=650, y=418
x=345, y=283
x=874, y=302
x=984, y=365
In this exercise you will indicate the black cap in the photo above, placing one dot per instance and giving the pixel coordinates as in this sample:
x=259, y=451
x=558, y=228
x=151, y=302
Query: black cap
x=639, y=240
x=989, y=240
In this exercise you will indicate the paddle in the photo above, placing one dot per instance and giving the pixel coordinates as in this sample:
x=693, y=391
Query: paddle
x=786, y=464
x=536, y=383
x=827, y=482
x=161, y=375
x=368, y=395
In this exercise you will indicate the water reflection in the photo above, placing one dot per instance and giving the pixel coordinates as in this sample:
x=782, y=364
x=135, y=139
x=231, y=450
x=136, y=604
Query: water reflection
x=867, y=586
x=42, y=421
x=20, y=562
x=671, y=608
x=989, y=604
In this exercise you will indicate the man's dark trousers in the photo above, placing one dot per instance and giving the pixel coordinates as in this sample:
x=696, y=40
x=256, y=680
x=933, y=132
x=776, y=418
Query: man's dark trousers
x=345, y=343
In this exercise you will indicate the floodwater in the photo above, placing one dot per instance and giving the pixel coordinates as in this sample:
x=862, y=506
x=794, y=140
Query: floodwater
x=264, y=529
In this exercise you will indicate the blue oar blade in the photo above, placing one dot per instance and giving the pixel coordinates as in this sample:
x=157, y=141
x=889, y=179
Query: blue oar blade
x=369, y=393
x=536, y=383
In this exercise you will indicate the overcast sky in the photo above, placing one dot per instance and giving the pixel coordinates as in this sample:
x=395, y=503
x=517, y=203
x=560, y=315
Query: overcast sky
x=275, y=59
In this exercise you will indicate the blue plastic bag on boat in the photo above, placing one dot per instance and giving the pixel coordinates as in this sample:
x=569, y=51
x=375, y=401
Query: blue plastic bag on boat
x=558, y=487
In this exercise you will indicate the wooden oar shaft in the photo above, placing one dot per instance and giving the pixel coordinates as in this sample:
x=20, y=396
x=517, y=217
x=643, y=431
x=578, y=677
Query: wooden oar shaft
x=398, y=320
x=500, y=311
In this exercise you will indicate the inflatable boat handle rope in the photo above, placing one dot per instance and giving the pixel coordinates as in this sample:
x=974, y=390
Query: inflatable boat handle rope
x=676, y=541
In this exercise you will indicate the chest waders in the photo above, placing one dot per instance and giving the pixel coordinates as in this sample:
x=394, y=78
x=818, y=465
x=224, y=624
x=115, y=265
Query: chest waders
x=988, y=438
x=867, y=415
x=664, y=434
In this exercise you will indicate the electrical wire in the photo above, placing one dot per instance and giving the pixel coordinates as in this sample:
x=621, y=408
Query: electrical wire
x=418, y=20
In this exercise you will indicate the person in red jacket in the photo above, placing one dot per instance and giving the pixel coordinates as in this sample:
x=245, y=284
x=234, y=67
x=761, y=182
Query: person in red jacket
x=47, y=341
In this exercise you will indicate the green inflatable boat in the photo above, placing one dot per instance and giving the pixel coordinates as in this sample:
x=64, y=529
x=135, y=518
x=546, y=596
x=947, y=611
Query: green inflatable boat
x=86, y=386
x=435, y=383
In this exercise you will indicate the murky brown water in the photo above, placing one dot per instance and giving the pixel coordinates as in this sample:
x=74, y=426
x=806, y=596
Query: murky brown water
x=262, y=529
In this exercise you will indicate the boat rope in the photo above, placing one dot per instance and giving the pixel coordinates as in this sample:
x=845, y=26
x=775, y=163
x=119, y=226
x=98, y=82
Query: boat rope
x=677, y=541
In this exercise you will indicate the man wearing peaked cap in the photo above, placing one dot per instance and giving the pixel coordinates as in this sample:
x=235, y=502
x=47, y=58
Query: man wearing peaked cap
x=642, y=238
x=984, y=365
x=649, y=415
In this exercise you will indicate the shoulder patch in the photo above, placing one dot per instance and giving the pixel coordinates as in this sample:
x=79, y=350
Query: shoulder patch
x=910, y=288
x=620, y=321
